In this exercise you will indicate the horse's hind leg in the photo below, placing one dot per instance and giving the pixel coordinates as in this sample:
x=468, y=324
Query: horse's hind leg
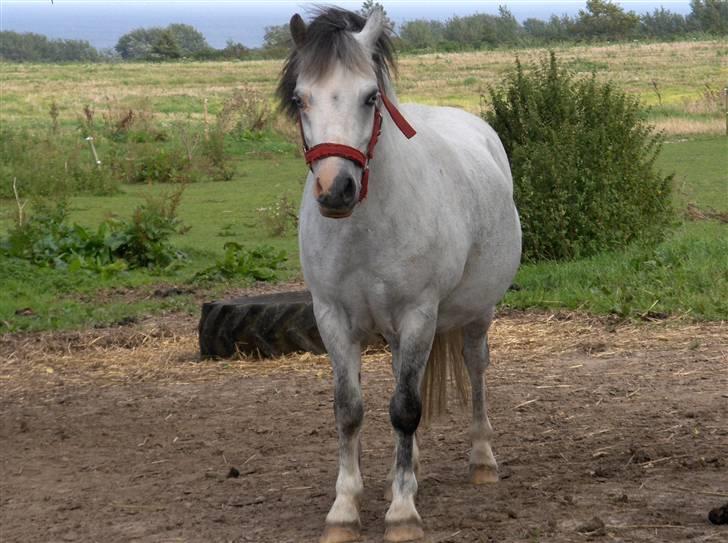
x=342, y=521
x=483, y=467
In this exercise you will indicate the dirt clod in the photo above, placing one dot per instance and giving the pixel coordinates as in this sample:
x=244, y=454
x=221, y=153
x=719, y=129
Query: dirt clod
x=719, y=515
x=233, y=473
x=594, y=526
x=171, y=291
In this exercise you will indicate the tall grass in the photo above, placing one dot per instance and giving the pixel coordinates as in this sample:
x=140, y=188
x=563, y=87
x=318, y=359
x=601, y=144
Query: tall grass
x=680, y=69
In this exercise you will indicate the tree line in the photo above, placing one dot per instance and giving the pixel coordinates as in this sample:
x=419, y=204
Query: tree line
x=601, y=20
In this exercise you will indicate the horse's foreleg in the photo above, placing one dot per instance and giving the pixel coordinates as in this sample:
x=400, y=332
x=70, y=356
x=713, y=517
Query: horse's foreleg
x=393, y=469
x=394, y=345
x=402, y=521
x=342, y=521
x=483, y=467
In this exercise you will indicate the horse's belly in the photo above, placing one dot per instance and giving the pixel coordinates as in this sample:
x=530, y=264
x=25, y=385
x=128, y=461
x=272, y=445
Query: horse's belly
x=487, y=275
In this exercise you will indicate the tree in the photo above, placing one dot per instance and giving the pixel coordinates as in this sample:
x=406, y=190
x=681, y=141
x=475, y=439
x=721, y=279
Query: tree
x=189, y=40
x=235, y=50
x=138, y=44
x=176, y=40
x=473, y=31
x=555, y=29
x=29, y=47
x=709, y=16
x=506, y=27
x=166, y=47
x=276, y=40
x=421, y=34
x=662, y=23
x=370, y=5
x=605, y=20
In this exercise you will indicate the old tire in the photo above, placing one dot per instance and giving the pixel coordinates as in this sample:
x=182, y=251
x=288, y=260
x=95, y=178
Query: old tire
x=265, y=326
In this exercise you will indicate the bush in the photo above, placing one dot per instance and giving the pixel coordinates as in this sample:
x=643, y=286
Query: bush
x=46, y=239
x=583, y=163
x=143, y=242
x=259, y=264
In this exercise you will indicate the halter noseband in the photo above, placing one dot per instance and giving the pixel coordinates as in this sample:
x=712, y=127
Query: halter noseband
x=324, y=150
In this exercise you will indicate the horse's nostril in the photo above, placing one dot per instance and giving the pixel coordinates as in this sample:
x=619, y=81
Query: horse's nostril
x=349, y=190
x=341, y=194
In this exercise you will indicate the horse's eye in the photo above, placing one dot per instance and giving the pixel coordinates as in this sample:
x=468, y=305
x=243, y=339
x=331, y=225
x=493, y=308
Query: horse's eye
x=372, y=99
x=297, y=101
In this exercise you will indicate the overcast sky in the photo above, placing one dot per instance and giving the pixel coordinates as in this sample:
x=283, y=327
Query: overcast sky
x=102, y=22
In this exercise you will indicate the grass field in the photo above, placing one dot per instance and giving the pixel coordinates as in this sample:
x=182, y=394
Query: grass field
x=686, y=275
x=686, y=74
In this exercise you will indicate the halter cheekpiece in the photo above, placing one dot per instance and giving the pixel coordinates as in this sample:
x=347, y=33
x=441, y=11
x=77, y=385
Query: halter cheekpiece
x=324, y=150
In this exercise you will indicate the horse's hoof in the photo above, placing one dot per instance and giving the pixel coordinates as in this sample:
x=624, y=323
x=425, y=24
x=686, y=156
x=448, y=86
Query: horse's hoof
x=340, y=533
x=483, y=475
x=404, y=531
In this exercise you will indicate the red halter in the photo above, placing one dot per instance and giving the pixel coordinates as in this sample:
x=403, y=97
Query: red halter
x=324, y=150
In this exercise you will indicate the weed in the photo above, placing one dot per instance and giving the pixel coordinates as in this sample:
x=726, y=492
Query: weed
x=281, y=217
x=54, y=111
x=46, y=239
x=143, y=242
x=260, y=264
x=245, y=110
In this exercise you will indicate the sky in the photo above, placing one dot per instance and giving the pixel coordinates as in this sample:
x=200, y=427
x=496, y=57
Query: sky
x=102, y=22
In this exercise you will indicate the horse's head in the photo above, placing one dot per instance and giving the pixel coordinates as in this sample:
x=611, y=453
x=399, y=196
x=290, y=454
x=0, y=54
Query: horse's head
x=331, y=85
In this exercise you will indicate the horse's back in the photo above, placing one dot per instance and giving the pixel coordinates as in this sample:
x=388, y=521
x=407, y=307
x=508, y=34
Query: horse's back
x=465, y=134
x=477, y=160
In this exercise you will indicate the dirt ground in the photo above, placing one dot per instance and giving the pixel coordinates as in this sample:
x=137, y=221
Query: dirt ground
x=604, y=432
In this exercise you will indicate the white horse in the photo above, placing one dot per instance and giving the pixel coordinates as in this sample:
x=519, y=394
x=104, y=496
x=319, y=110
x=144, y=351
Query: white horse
x=423, y=258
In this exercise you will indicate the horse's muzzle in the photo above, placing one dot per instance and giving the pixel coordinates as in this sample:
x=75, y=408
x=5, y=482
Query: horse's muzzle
x=339, y=201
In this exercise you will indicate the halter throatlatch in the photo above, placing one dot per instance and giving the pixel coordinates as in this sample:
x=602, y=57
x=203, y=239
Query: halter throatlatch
x=325, y=150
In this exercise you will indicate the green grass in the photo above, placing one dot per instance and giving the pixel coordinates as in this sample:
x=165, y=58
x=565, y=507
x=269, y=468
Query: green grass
x=701, y=171
x=680, y=69
x=35, y=298
x=216, y=212
x=687, y=274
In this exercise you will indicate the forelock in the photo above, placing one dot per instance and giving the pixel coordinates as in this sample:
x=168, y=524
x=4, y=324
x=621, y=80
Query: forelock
x=330, y=41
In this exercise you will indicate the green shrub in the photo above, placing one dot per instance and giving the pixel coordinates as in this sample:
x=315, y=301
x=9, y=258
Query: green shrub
x=259, y=264
x=143, y=242
x=46, y=239
x=583, y=162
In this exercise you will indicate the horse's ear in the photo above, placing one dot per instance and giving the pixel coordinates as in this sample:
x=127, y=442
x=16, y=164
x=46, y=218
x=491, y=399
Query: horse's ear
x=298, y=30
x=372, y=29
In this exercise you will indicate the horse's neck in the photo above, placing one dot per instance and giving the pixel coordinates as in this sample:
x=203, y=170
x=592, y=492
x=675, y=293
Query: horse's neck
x=391, y=149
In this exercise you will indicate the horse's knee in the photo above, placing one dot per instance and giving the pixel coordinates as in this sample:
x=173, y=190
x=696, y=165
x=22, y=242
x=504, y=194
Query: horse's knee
x=349, y=410
x=405, y=409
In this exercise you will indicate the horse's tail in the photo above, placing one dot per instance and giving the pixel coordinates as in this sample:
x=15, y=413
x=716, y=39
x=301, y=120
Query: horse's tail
x=445, y=364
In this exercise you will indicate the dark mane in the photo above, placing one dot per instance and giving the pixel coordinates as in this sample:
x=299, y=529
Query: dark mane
x=329, y=40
